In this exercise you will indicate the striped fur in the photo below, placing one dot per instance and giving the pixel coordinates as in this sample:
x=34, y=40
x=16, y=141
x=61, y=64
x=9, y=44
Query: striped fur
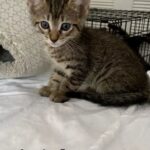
x=114, y=99
x=56, y=7
x=86, y=59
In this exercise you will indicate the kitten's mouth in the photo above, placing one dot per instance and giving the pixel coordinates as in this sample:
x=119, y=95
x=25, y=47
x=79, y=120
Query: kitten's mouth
x=56, y=44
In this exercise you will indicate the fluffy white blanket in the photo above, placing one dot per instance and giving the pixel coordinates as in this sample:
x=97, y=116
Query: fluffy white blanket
x=22, y=41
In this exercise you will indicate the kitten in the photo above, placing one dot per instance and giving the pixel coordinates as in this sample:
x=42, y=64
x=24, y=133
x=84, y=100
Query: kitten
x=88, y=63
x=133, y=42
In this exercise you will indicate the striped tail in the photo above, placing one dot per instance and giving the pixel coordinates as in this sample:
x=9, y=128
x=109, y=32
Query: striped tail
x=118, y=99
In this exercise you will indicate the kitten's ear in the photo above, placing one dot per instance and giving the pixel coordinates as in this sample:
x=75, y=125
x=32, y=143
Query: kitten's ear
x=84, y=3
x=37, y=7
x=32, y=3
x=83, y=6
x=36, y=4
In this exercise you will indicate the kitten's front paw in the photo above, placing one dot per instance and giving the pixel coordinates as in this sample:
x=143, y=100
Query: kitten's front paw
x=45, y=91
x=58, y=97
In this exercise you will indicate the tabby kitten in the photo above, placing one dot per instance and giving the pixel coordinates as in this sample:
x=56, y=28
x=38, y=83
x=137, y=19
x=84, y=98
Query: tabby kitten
x=88, y=63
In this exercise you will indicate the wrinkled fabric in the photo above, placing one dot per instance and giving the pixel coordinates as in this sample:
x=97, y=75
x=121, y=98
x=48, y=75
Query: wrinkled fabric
x=31, y=122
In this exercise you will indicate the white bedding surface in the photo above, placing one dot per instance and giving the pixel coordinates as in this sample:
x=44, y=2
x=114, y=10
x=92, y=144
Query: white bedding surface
x=31, y=122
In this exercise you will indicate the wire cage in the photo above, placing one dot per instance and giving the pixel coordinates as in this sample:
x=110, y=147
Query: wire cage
x=131, y=26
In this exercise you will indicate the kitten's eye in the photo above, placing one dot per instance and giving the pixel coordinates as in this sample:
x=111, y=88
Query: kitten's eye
x=65, y=26
x=44, y=25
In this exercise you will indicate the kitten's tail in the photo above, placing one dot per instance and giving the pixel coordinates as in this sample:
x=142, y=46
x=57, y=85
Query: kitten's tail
x=119, y=99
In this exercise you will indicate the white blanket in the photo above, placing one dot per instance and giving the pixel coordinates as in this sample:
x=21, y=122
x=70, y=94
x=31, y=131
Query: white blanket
x=31, y=122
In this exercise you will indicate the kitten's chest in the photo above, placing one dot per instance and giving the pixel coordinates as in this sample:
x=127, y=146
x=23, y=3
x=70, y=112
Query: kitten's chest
x=56, y=64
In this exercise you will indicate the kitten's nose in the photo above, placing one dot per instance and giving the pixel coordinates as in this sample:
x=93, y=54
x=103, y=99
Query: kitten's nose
x=54, y=40
x=54, y=36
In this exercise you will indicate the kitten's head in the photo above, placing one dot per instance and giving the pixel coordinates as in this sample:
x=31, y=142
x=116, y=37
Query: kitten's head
x=59, y=20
